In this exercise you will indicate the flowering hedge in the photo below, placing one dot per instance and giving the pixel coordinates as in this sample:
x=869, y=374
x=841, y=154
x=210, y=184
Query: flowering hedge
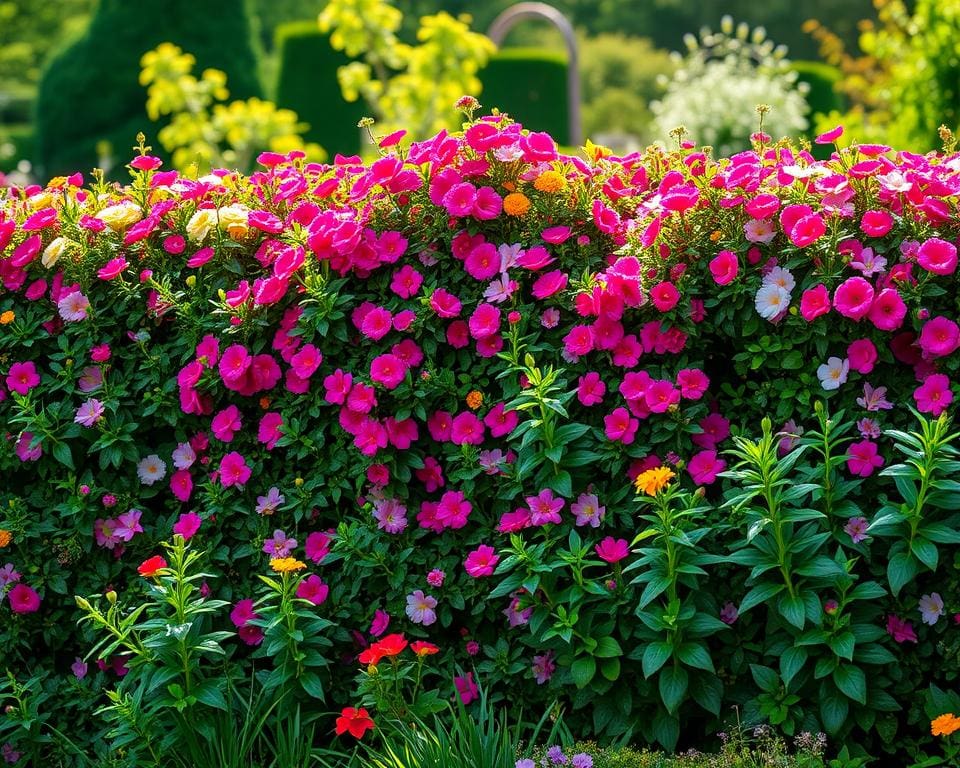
x=433, y=378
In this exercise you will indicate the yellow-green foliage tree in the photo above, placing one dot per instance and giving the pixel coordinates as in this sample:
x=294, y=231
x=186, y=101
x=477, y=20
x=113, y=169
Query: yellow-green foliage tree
x=406, y=86
x=203, y=130
x=906, y=82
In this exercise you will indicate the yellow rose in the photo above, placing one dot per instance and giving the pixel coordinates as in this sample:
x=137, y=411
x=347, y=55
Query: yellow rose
x=43, y=200
x=233, y=220
x=53, y=252
x=201, y=223
x=120, y=216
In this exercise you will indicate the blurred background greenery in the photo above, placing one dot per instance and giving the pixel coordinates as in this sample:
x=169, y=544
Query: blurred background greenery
x=73, y=93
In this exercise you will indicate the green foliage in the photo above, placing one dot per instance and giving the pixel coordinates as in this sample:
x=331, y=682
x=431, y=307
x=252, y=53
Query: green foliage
x=530, y=85
x=97, y=75
x=821, y=79
x=307, y=84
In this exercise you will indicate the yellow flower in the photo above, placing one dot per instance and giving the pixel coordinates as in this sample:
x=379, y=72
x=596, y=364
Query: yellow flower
x=516, y=204
x=287, y=565
x=550, y=181
x=596, y=151
x=653, y=481
x=945, y=724
x=5, y=537
x=120, y=216
x=191, y=281
x=474, y=399
x=53, y=252
x=7, y=317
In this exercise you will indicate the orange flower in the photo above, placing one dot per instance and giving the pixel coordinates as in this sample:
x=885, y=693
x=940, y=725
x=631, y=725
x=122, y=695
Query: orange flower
x=5, y=538
x=549, y=181
x=474, y=399
x=287, y=564
x=264, y=403
x=516, y=204
x=945, y=724
x=7, y=317
x=653, y=481
x=715, y=235
x=423, y=648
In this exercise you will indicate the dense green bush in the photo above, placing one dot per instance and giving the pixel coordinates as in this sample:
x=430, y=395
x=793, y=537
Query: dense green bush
x=96, y=76
x=530, y=85
x=307, y=83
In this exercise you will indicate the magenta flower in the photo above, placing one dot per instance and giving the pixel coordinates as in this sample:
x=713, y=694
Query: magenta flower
x=226, y=424
x=853, y=298
x=420, y=608
x=466, y=429
x=243, y=613
x=591, y=389
x=313, y=590
x=939, y=337
x=89, y=413
x=280, y=545
x=187, y=525
x=888, y=310
x=724, y=267
x=23, y=599
x=729, y=613
x=317, y=546
x=22, y=377
x=543, y=667
x=612, y=550
x=127, y=525
x=705, y=466
x=900, y=630
x=516, y=615
x=390, y=514
x=544, y=508
x=937, y=256
x=234, y=470
x=863, y=458
x=466, y=688
x=436, y=577
x=269, y=429
x=388, y=370
x=381, y=620
x=481, y=561
x=181, y=484
x=814, y=302
x=934, y=395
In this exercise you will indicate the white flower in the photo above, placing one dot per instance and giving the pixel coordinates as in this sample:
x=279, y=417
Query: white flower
x=201, y=223
x=780, y=276
x=54, y=251
x=772, y=300
x=151, y=469
x=931, y=608
x=120, y=216
x=833, y=373
x=759, y=230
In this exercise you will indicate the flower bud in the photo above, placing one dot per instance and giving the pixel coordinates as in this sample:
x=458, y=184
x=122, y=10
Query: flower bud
x=112, y=597
x=191, y=281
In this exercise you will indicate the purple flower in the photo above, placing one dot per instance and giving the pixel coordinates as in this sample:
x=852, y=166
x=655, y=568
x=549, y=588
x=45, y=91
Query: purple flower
x=544, y=508
x=869, y=428
x=490, y=461
x=556, y=757
x=525, y=763
x=89, y=413
x=420, y=608
x=789, y=433
x=390, y=514
x=543, y=667
x=267, y=505
x=79, y=668
x=128, y=524
x=184, y=456
x=856, y=528
x=516, y=615
x=874, y=399
x=8, y=576
x=581, y=760
x=280, y=545
x=931, y=608
x=729, y=613
x=588, y=510
x=381, y=620
x=73, y=307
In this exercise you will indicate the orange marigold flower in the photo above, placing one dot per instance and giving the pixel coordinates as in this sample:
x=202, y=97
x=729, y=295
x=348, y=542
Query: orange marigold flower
x=264, y=403
x=945, y=724
x=287, y=565
x=516, y=204
x=474, y=399
x=5, y=538
x=509, y=186
x=550, y=181
x=7, y=317
x=715, y=235
x=653, y=481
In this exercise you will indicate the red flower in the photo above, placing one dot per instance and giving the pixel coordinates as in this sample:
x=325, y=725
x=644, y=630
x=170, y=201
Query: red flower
x=391, y=645
x=423, y=648
x=150, y=566
x=356, y=722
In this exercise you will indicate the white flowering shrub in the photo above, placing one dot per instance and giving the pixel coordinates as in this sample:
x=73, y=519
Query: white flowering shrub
x=720, y=82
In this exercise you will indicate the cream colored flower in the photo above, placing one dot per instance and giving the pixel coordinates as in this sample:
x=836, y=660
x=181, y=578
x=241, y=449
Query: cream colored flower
x=53, y=252
x=120, y=216
x=201, y=223
x=233, y=220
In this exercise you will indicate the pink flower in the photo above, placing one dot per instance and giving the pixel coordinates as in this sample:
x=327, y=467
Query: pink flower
x=305, y=362
x=660, y=395
x=937, y=256
x=317, y=546
x=460, y=199
x=181, y=484
x=388, y=370
x=543, y=667
x=234, y=470
x=612, y=550
x=693, y=383
x=481, y=561
x=579, y=340
x=377, y=323
x=466, y=688
x=620, y=426
x=338, y=386
x=876, y=223
x=724, y=267
x=313, y=590
x=814, y=302
x=500, y=421
x=100, y=353
x=23, y=599
x=466, y=429
x=939, y=337
x=853, y=298
x=591, y=389
x=226, y=424
x=664, y=296
x=587, y=510
x=863, y=458
x=234, y=363
x=406, y=282
x=483, y=262
x=705, y=466
x=444, y=303
x=268, y=431
x=934, y=395
x=453, y=510
x=187, y=525
x=485, y=321
x=888, y=310
x=22, y=377
x=544, y=507
x=801, y=225
x=112, y=268
x=381, y=620
x=243, y=613
x=435, y=578
x=548, y=284
x=830, y=136
x=862, y=355
x=715, y=430
x=900, y=630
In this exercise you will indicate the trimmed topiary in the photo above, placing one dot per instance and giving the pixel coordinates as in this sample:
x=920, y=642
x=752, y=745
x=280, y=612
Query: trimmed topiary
x=96, y=77
x=307, y=84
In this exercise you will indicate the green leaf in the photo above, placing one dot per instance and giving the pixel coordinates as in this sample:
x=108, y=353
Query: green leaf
x=610, y=669
x=843, y=645
x=695, y=655
x=312, y=684
x=208, y=693
x=851, y=680
x=61, y=452
x=673, y=687
x=707, y=691
x=765, y=678
x=791, y=662
x=607, y=647
x=583, y=670
x=759, y=594
x=655, y=656
x=940, y=533
x=926, y=552
x=900, y=571
x=833, y=713
x=666, y=730
x=792, y=609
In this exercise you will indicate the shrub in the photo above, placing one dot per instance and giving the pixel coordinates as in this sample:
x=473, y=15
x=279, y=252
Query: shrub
x=530, y=85
x=308, y=85
x=97, y=75
x=437, y=380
